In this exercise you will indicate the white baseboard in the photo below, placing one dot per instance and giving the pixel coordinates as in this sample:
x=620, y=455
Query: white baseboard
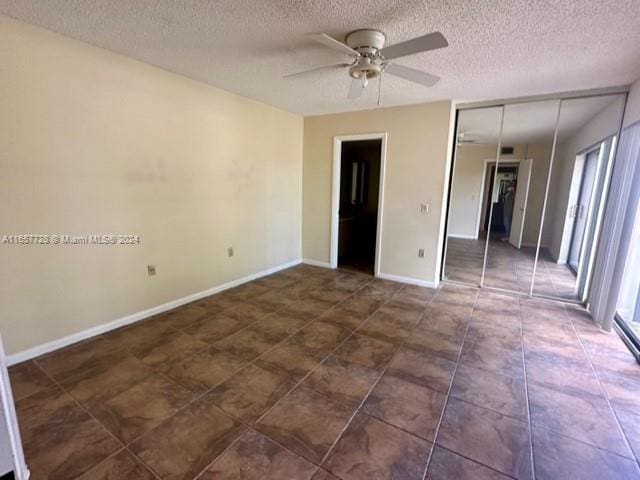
x=316, y=263
x=465, y=237
x=408, y=280
x=136, y=317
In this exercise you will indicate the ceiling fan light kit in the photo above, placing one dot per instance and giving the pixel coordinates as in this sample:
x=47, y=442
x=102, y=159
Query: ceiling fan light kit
x=371, y=58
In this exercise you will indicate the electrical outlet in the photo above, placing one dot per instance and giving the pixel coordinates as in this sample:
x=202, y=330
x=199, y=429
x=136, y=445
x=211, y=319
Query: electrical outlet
x=230, y=251
x=421, y=253
x=151, y=270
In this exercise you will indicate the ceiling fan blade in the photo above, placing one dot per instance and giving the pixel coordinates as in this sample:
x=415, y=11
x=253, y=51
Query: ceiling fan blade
x=357, y=87
x=431, y=41
x=318, y=69
x=412, y=74
x=331, y=42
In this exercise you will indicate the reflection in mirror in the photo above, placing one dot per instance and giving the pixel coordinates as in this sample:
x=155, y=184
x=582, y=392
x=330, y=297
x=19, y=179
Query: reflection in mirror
x=515, y=194
x=477, y=133
x=578, y=182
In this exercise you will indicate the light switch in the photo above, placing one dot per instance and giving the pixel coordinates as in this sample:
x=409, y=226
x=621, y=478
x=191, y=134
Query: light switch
x=424, y=208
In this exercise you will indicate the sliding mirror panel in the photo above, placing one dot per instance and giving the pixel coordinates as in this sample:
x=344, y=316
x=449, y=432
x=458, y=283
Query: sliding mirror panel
x=477, y=138
x=515, y=192
x=578, y=184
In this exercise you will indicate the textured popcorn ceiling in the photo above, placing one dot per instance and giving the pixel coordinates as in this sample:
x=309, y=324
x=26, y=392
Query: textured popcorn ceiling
x=497, y=49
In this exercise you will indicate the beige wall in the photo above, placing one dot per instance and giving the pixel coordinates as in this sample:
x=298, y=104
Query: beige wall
x=466, y=191
x=93, y=142
x=417, y=158
x=541, y=154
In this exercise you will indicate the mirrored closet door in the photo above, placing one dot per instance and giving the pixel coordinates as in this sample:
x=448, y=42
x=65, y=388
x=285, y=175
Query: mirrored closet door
x=578, y=184
x=527, y=193
x=477, y=145
x=518, y=184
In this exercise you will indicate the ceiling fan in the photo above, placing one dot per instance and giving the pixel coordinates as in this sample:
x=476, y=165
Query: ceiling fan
x=371, y=58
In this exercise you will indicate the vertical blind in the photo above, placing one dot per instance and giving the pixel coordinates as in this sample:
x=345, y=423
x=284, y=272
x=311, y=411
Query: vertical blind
x=617, y=229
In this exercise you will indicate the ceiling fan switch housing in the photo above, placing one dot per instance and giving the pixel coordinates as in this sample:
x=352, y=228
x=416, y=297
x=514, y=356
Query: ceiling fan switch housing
x=366, y=39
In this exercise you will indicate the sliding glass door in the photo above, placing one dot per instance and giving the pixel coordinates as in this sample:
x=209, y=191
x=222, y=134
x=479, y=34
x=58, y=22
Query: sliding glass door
x=580, y=210
x=629, y=300
x=628, y=306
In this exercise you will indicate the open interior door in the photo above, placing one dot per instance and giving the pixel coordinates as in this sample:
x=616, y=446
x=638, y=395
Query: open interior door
x=520, y=203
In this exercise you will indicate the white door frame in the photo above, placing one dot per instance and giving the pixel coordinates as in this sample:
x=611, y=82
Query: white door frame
x=527, y=186
x=569, y=218
x=487, y=162
x=7, y=409
x=481, y=197
x=335, y=193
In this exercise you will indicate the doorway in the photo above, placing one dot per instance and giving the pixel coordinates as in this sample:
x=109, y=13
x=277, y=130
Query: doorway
x=357, y=202
x=507, y=194
x=498, y=185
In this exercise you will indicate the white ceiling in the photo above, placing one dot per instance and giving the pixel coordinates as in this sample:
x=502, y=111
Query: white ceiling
x=533, y=122
x=497, y=50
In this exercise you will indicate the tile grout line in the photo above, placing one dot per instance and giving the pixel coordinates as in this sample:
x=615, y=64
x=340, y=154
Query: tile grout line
x=490, y=409
x=553, y=281
x=104, y=427
x=448, y=395
x=223, y=311
x=196, y=397
x=219, y=456
x=493, y=469
x=353, y=415
x=357, y=409
x=374, y=385
x=252, y=426
x=604, y=390
x=149, y=467
x=86, y=410
x=320, y=362
x=201, y=395
x=526, y=392
x=442, y=446
x=315, y=318
x=252, y=362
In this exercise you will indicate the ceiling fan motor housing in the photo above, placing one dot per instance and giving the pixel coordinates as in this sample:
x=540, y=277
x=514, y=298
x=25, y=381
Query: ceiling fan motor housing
x=367, y=43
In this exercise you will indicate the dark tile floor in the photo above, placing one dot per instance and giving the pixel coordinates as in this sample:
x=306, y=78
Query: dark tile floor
x=508, y=268
x=325, y=375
